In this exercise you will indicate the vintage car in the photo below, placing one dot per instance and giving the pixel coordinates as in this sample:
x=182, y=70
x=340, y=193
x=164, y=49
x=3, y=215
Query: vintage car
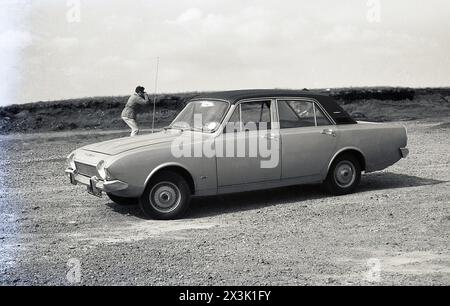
x=212, y=148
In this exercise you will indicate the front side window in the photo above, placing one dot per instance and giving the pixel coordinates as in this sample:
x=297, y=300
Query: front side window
x=249, y=116
x=295, y=113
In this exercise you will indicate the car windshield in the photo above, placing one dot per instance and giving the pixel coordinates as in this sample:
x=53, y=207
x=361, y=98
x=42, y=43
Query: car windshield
x=202, y=115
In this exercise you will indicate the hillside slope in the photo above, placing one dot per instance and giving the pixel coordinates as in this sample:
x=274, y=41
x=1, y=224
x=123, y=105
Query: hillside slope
x=376, y=104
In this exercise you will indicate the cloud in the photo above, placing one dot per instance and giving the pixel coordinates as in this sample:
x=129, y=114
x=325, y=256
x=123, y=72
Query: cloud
x=206, y=45
x=189, y=15
x=115, y=61
x=13, y=40
x=342, y=34
x=62, y=43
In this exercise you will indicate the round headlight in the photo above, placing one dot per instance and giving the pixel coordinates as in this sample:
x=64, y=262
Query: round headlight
x=101, y=169
x=71, y=161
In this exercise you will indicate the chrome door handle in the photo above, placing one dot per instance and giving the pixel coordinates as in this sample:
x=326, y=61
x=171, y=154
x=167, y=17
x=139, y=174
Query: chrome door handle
x=329, y=132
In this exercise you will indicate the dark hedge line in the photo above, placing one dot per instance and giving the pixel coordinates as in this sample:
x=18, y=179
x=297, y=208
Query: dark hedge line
x=393, y=94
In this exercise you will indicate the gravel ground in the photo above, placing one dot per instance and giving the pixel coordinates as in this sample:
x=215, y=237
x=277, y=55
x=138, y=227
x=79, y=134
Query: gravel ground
x=398, y=221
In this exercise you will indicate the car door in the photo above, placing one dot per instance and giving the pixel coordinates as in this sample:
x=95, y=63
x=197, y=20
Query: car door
x=248, y=150
x=308, y=139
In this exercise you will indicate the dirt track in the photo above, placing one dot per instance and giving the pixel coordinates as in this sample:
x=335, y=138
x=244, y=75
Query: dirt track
x=399, y=220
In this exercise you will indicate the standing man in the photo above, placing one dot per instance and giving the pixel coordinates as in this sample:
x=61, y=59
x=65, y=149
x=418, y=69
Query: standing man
x=129, y=112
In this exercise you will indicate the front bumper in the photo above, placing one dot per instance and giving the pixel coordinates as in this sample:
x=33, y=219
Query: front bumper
x=404, y=152
x=95, y=186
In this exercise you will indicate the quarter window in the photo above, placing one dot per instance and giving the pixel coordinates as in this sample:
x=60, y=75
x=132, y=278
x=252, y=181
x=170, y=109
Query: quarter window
x=320, y=117
x=294, y=113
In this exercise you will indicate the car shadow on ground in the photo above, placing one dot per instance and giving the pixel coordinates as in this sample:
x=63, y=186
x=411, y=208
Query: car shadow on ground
x=229, y=203
x=388, y=180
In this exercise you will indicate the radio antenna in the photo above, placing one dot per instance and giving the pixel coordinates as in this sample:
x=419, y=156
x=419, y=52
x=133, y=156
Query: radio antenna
x=154, y=96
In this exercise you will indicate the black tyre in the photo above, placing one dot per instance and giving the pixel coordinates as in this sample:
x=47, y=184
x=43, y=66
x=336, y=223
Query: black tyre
x=344, y=175
x=166, y=196
x=123, y=201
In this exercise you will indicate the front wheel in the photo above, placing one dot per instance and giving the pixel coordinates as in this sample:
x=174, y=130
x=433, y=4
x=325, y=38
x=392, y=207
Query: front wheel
x=344, y=175
x=167, y=196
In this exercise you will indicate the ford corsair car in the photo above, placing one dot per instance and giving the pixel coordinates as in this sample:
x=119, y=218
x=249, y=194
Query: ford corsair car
x=236, y=141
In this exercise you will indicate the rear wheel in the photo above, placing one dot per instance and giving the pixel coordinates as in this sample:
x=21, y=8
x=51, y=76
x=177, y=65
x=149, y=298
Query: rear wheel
x=123, y=201
x=344, y=175
x=167, y=196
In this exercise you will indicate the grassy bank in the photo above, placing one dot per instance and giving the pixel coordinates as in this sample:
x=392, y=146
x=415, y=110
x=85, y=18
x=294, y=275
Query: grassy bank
x=376, y=104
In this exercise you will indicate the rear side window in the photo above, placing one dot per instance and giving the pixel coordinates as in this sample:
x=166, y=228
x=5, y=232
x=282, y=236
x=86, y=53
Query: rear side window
x=295, y=113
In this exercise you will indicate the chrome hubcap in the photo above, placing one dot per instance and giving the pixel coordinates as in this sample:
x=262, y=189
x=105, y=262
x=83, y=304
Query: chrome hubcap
x=344, y=174
x=165, y=197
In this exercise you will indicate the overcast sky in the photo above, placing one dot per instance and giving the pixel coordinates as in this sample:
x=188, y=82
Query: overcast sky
x=51, y=50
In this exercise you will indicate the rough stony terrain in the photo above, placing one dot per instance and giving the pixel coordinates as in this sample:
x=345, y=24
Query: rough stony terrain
x=399, y=221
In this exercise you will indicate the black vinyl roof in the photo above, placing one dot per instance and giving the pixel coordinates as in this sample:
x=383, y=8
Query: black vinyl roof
x=339, y=115
x=234, y=96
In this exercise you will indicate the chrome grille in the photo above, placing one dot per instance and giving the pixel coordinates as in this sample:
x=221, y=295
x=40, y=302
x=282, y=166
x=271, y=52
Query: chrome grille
x=86, y=170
